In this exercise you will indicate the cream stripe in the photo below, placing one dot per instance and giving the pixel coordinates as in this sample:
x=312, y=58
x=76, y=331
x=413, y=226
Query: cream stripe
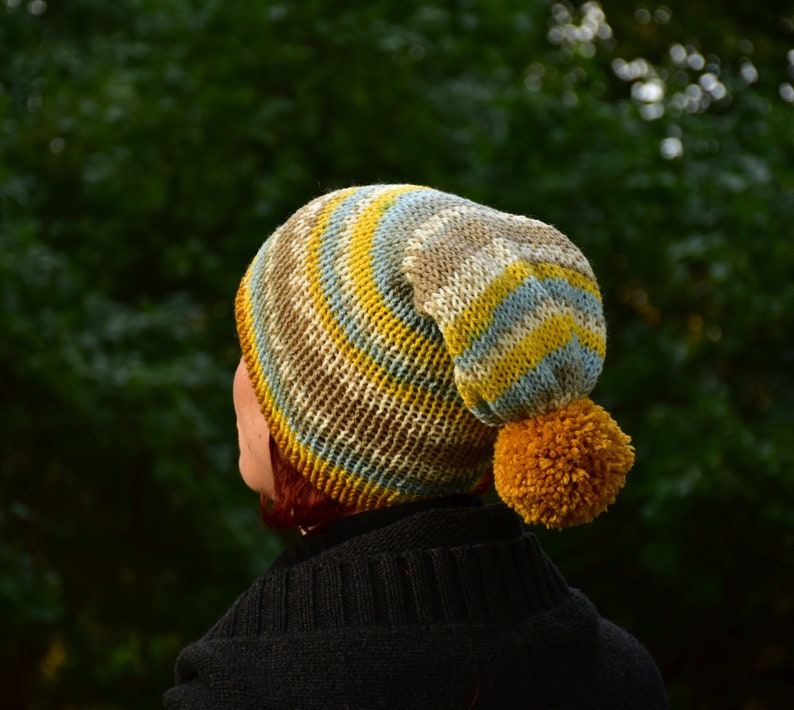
x=422, y=359
x=353, y=385
x=474, y=320
x=364, y=364
x=475, y=275
x=330, y=422
x=515, y=357
x=533, y=248
x=521, y=329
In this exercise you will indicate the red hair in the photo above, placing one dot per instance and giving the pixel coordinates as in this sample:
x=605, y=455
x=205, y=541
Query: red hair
x=299, y=503
x=296, y=501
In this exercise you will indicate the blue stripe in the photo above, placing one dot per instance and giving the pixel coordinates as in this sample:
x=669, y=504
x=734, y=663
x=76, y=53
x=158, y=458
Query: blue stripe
x=520, y=305
x=331, y=451
x=400, y=365
x=541, y=385
x=395, y=228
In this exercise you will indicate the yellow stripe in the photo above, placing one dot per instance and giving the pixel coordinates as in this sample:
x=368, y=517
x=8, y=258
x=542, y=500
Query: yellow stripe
x=425, y=352
x=366, y=367
x=282, y=432
x=474, y=320
x=554, y=333
x=326, y=476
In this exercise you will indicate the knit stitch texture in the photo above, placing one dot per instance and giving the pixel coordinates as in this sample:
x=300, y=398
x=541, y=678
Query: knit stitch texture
x=430, y=605
x=389, y=331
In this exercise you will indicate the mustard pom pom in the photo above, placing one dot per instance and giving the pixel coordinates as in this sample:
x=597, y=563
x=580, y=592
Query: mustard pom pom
x=562, y=468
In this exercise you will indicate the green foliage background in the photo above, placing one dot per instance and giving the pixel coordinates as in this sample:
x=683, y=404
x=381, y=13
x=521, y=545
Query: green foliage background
x=146, y=150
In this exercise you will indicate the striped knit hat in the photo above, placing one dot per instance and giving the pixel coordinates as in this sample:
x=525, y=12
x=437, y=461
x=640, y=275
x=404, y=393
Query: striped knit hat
x=401, y=339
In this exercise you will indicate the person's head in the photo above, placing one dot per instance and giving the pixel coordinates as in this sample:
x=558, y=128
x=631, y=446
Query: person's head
x=397, y=341
x=288, y=499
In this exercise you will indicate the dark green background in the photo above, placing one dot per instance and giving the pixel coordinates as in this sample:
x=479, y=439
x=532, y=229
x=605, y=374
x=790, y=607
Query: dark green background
x=146, y=150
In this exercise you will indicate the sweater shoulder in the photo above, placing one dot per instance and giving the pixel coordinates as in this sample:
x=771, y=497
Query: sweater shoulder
x=565, y=657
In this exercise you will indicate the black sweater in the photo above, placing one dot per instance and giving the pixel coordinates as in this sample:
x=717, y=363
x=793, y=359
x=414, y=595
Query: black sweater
x=438, y=604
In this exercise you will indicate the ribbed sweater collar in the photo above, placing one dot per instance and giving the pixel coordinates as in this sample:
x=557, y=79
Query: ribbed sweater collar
x=354, y=526
x=446, y=561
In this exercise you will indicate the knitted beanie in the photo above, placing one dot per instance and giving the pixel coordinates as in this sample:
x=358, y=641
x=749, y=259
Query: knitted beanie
x=402, y=340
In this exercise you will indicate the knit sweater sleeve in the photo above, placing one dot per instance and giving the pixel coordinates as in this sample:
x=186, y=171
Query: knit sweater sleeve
x=200, y=681
x=217, y=671
x=220, y=675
